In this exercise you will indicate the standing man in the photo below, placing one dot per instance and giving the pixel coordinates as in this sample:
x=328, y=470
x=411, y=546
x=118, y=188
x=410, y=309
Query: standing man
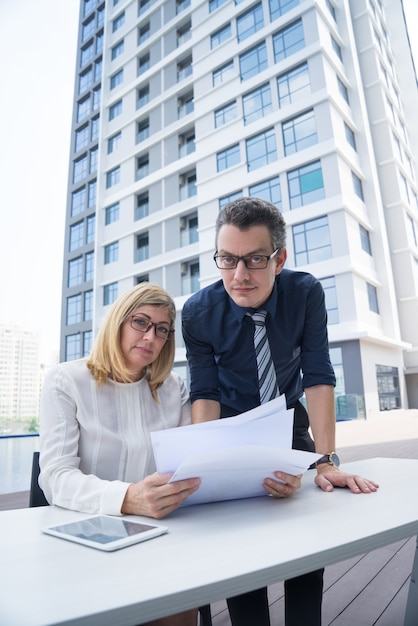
x=223, y=354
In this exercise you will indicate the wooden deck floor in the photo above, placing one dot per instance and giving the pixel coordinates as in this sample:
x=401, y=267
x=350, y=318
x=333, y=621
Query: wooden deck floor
x=367, y=590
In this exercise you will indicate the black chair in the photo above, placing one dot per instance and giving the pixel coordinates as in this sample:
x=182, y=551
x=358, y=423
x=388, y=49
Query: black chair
x=37, y=498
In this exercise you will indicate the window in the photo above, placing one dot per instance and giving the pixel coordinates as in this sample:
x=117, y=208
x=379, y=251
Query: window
x=365, y=240
x=305, y=185
x=88, y=6
x=331, y=9
x=117, y=49
x=349, y=135
x=113, y=177
x=144, y=63
x=358, y=186
x=187, y=143
x=83, y=109
x=185, y=104
x=113, y=142
x=412, y=233
x=257, y=103
x=92, y=194
x=288, y=41
x=80, y=169
x=184, y=68
x=311, y=241
x=279, y=7
x=142, y=278
x=95, y=122
x=190, y=275
x=94, y=155
x=98, y=70
x=222, y=74
x=78, y=201
x=142, y=166
x=182, y=5
x=110, y=293
x=187, y=185
x=372, y=297
x=142, y=247
x=184, y=33
x=144, y=5
x=88, y=29
x=76, y=236
x=268, y=190
x=116, y=79
x=336, y=356
x=75, y=271
x=144, y=33
x=253, y=62
x=331, y=303
x=188, y=230
x=73, y=310
x=388, y=387
x=220, y=36
x=336, y=48
x=230, y=198
x=225, y=114
x=91, y=228
x=118, y=22
x=72, y=347
x=87, y=342
x=142, y=205
x=294, y=85
x=250, y=22
x=228, y=158
x=143, y=96
x=115, y=110
x=88, y=306
x=111, y=252
x=299, y=133
x=81, y=138
x=342, y=89
x=261, y=149
x=87, y=54
x=112, y=214
x=142, y=130
x=85, y=80
x=96, y=98
x=215, y=4
x=89, y=267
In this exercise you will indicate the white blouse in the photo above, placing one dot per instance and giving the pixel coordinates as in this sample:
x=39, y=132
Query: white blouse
x=95, y=441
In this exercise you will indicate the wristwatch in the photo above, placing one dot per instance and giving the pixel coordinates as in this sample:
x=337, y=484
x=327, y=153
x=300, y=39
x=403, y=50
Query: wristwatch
x=331, y=458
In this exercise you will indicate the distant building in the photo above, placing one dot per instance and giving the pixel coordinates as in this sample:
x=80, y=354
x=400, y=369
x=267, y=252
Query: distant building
x=19, y=374
x=183, y=105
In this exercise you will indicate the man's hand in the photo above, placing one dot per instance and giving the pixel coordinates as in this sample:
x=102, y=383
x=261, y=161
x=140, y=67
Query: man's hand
x=284, y=486
x=156, y=497
x=329, y=476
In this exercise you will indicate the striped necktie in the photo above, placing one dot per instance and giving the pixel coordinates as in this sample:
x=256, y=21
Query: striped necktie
x=267, y=382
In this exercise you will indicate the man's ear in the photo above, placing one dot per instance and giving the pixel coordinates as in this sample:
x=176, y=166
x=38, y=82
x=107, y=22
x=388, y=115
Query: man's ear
x=281, y=260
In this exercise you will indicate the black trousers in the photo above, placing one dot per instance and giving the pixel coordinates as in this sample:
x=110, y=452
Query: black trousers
x=303, y=595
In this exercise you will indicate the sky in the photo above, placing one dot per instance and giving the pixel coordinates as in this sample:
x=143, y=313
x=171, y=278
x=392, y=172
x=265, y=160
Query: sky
x=38, y=43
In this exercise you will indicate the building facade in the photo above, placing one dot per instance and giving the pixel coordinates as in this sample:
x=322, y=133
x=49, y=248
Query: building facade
x=182, y=106
x=20, y=377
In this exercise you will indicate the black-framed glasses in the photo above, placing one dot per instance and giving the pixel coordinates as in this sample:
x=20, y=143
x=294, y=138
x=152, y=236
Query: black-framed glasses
x=251, y=261
x=143, y=324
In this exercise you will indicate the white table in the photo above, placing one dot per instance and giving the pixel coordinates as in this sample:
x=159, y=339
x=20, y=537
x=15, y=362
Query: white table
x=211, y=552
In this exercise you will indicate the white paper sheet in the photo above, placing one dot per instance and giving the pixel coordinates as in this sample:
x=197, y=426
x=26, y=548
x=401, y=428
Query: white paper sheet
x=232, y=456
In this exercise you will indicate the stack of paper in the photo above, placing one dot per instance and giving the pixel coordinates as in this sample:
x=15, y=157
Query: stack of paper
x=232, y=456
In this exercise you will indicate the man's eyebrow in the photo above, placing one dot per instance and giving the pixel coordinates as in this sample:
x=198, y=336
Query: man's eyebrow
x=253, y=252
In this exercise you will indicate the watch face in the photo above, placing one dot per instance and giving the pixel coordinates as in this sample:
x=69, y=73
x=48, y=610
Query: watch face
x=334, y=458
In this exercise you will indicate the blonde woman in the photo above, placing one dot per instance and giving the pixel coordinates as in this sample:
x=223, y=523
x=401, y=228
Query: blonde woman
x=97, y=415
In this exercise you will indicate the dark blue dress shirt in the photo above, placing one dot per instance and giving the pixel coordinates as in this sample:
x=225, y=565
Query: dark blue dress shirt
x=219, y=339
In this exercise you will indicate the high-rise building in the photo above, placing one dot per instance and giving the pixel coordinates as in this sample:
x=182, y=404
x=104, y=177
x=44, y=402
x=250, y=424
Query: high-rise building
x=20, y=377
x=183, y=105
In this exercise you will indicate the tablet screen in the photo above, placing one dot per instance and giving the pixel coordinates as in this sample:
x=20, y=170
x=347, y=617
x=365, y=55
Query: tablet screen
x=105, y=532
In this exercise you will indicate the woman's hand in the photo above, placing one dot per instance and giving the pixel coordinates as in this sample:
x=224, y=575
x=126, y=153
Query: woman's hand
x=284, y=486
x=156, y=497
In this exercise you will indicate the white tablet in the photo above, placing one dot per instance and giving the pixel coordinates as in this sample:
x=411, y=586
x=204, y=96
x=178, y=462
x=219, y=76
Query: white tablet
x=106, y=533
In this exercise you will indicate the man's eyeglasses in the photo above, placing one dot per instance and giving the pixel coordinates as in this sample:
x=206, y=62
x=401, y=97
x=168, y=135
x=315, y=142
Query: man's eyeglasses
x=143, y=324
x=251, y=261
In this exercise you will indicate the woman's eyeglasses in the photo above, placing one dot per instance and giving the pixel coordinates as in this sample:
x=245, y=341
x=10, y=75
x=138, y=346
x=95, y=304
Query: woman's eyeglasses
x=142, y=324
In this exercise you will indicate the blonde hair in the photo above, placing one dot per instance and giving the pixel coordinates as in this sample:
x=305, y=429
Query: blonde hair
x=106, y=359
